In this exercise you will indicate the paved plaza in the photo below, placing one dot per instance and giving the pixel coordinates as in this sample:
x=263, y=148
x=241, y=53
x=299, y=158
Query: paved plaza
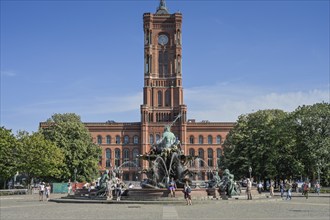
x=28, y=207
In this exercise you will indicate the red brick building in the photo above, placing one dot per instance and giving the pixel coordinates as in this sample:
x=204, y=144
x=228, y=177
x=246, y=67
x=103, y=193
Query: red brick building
x=162, y=103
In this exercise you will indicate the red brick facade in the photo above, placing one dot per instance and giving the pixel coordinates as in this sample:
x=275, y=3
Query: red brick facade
x=162, y=103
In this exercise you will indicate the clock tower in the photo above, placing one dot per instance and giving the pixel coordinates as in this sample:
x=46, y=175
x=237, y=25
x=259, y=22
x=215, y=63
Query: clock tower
x=162, y=91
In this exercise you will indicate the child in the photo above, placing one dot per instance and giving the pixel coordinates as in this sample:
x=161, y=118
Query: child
x=187, y=193
x=172, y=187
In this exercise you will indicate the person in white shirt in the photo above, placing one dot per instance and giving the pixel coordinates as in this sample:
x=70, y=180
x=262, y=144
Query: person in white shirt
x=41, y=191
x=248, y=189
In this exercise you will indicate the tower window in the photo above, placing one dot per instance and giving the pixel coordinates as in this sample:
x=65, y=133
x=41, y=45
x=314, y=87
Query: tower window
x=160, y=100
x=163, y=63
x=167, y=98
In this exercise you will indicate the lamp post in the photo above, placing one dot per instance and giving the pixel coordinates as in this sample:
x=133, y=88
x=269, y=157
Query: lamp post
x=318, y=172
x=250, y=171
x=75, y=178
x=75, y=174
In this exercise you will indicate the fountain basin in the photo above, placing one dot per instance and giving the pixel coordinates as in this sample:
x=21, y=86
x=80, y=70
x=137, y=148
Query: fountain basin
x=146, y=194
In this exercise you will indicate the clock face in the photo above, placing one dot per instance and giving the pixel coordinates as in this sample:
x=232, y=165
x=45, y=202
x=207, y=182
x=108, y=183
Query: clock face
x=162, y=39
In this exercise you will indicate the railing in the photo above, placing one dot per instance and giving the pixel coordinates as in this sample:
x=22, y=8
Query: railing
x=13, y=191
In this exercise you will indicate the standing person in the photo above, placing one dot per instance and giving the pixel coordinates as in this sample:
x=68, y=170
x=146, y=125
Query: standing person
x=69, y=187
x=289, y=189
x=306, y=189
x=172, y=187
x=271, y=189
x=47, y=191
x=41, y=191
x=282, y=189
x=248, y=189
x=118, y=189
x=317, y=188
x=259, y=187
x=187, y=193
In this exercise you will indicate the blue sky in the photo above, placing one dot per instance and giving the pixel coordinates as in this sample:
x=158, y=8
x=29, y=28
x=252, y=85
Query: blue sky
x=86, y=57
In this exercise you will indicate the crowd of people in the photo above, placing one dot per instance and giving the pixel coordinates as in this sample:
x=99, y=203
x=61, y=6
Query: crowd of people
x=287, y=187
x=116, y=187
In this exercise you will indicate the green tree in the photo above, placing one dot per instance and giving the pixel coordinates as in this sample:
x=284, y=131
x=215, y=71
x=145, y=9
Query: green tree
x=312, y=131
x=9, y=155
x=71, y=135
x=257, y=140
x=40, y=158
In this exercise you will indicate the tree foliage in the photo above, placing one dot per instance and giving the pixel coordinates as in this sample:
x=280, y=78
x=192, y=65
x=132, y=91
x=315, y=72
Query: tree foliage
x=253, y=143
x=312, y=131
x=9, y=154
x=279, y=144
x=69, y=134
x=39, y=158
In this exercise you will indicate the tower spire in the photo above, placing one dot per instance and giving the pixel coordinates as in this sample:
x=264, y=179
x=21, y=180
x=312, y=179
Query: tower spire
x=162, y=9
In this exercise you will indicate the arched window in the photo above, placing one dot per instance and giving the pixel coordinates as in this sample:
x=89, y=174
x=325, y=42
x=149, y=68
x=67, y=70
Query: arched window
x=135, y=158
x=108, y=139
x=135, y=139
x=167, y=98
x=200, y=139
x=192, y=153
x=219, y=154
x=126, y=157
x=210, y=157
x=126, y=139
x=160, y=100
x=191, y=139
x=117, y=139
x=163, y=63
x=157, y=138
x=218, y=139
x=151, y=139
x=99, y=139
x=209, y=139
x=201, y=157
x=108, y=157
x=117, y=157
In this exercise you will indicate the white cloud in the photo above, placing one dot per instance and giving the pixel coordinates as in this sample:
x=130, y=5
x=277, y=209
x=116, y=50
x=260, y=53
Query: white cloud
x=221, y=103
x=8, y=73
